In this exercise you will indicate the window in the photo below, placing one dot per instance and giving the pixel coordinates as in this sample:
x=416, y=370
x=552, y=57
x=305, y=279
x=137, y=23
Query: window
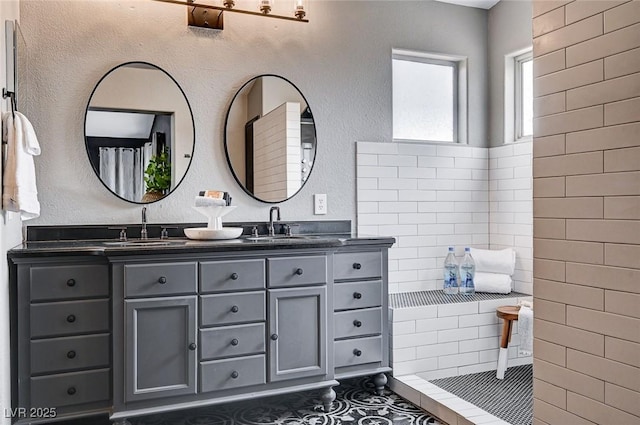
x=524, y=95
x=426, y=97
x=518, y=96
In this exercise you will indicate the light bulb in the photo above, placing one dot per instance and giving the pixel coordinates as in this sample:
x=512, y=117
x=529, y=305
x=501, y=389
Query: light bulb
x=265, y=6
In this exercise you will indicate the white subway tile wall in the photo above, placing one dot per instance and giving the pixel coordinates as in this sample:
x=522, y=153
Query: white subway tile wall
x=443, y=340
x=586, y=209
x=432, y=196
x=511, y=208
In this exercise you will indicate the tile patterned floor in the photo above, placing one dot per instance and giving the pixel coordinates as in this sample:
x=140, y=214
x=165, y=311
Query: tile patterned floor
x=356, y=404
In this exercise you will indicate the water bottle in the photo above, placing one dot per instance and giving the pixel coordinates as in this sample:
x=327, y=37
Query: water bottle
x=467, y=274
x=450, y=273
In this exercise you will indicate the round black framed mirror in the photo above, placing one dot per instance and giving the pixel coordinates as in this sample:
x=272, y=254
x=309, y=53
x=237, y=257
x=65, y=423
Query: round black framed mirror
x=139, y=132
x=270, y=138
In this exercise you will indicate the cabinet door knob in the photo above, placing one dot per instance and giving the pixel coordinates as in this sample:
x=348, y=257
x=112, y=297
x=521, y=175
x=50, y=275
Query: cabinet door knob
x=235, y=374
x=299, y=272
x=357, y=295
x=234, y=342
x=71, y=354
x=162, y=280
x=193, y=346
x=357, y=266
x=235, y=309
x=71, y=390
x=274, y=337
x=357, y=352
x=71, y=318
x=357, y=323
x=234, y=276
x=71, y=282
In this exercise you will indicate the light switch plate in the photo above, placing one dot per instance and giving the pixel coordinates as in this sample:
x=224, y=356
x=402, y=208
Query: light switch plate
x=320, y=203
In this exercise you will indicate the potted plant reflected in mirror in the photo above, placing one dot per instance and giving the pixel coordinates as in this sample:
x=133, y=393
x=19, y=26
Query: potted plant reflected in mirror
x=157, y=177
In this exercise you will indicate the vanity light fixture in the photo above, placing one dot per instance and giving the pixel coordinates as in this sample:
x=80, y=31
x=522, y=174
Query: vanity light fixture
x=210, y=16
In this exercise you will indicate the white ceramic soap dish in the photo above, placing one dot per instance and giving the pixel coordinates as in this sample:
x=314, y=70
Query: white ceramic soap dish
x=214, y=229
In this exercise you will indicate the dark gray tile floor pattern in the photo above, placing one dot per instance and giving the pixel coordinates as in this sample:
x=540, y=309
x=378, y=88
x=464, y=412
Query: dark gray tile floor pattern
x=510, y=399
x=355, y=404
x=421, y=298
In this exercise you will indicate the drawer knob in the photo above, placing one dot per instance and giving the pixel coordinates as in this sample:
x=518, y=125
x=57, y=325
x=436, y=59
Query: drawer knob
x=357, y=295
x=235, y=309
x=274, y=337
x=234, y=276
x=234, y=342
x=235, y=374
x=162, y=280
x=299, y=272
x=357, y=352
x=71, y=354
x=71, y=318
x=357, y=323
x=193, y=346
x=357, y=266
x=71, y=282
x=71, y=390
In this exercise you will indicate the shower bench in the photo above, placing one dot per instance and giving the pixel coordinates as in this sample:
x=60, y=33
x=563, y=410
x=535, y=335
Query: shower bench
x=435, y=335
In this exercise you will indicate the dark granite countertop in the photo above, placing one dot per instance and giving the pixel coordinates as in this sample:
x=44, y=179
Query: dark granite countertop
x=45, y=241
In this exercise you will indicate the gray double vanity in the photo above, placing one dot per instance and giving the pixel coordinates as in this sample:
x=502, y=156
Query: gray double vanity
x=133, y=329
x=105, y=324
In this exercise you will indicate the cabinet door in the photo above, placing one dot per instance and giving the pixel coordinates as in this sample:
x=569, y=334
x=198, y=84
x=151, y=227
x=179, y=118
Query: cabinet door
x=160, y=344
x=297, y=333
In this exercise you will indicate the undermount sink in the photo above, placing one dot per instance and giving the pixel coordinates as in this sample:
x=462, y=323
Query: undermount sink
x=143, y=242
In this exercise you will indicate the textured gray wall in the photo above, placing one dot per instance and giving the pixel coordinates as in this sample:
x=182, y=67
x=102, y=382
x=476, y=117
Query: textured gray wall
x=340, y=61
x=509, y=29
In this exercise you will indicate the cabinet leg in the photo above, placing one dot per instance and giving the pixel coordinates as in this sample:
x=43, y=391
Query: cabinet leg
x=122, y=421
x=380, y=380
x=328, y=396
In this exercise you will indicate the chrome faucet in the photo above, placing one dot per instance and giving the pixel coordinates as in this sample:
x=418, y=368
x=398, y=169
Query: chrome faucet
x=271, y=229
x=143, y=231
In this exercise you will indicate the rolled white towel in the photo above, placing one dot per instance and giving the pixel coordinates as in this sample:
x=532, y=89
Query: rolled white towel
x=525, y=330
x=206, y=201
x=494, y=283
x=494, y=261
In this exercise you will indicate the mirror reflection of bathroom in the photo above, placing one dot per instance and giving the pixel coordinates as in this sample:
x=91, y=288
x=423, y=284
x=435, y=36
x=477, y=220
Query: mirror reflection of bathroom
x=139, y=132
x=269, y=167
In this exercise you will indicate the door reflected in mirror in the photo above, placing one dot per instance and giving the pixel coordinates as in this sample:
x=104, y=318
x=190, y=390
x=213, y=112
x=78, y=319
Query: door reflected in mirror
x=139, y=132
x=270, y=138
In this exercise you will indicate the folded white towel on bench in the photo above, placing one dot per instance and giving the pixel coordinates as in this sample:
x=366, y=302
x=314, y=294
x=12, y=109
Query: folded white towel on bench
x=494, y=261
x=494, y=283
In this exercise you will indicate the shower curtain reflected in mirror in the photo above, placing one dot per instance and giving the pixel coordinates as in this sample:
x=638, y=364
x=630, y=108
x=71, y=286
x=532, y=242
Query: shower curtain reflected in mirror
x=122, y=170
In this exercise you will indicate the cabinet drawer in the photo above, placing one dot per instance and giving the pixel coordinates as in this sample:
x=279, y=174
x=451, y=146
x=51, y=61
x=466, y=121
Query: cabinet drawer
x=64, y=354
x=232, y=373
x=357, y=265
x=231, y=341
x=224, y=309
x=160, y=279
x=357, y=295
x=358, y=322
x=220, y=276
x=69, y=282
x=70, y=388
x=297, y=271
x=69, y=317
x=356, y=351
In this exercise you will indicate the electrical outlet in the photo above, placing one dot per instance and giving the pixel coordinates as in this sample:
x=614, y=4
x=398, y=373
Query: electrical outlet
x=320, y=203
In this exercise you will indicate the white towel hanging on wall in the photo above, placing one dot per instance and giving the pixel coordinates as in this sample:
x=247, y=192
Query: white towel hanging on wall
x=20, y=193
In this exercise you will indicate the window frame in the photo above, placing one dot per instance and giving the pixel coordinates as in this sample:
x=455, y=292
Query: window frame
x=518, y=95
x=512, y=99
x=459, y=89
